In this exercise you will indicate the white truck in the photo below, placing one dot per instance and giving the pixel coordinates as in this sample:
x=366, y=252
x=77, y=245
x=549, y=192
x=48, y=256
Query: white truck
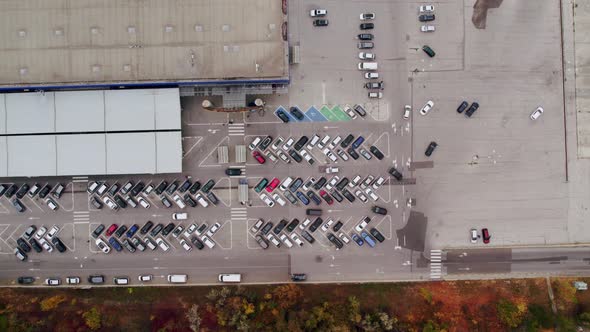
x=367, y=65
x=230, y=277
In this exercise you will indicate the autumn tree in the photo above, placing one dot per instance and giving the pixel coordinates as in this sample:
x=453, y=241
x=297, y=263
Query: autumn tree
x=193, y=318
x=354, y=310
x=92, y=318
x=320, y=318
x=509, y=313
x=287, y=295
x=52, y=302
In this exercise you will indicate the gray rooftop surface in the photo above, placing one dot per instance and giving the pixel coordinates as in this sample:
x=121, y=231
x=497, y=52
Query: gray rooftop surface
x=76, y=42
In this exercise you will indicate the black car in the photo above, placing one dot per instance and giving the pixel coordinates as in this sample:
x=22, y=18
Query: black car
x=337, y=196
x=462, y=107
x=292, y=225
x=342, y=183
x=266, y=228
x=360, y=110
x=336, y=241
x=195, y=240
x=120, y=201
x=301, y=143
x=348, y=195
x=298, y=277
x=320, y=183
x=137, y=189
x=114, y=189
x=23, y=191
x=211, y=196
x=156, y=229
x=379, y=210
x=58, y=244
x=35, y=245
x=320, y=23
x=295, y=155
x=395, y=173
x=296, y=185
x=283, y=116
x=43, y=192
x=290, y=197
x=472, y=109
x=161, y=187
x=295, y=112
x=353, y=153
x=265, y=143
x=146, y=228
x=428, y=51
x=11, y=191
x=172, y=188
x=337, y=226
x=18, y=205
x=98, y=230
x=307, y=236
x=314, y=197
x=426, y=17
x=376, y=152
x=365, y=36
x=23, y=245
x=185, y=186
x=195, y=187
x=376, y=234
x=366, y=26
x=317, y=223
x=346, y=142
x=3, y=188
x=127, y=244
x=208, y=186
x=279, y=227
x=169, y=228
x=121, y=230
x=189, y=200
x=430, y=148
x=25, y=280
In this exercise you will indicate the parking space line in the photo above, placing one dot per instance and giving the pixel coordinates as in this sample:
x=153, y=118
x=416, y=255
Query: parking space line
x=5, y=210
x=211, y=152
x=231, y=235
x=385, y=133
x=32, y=201
x=11, y=234
x=388, y=217
x=200, y=138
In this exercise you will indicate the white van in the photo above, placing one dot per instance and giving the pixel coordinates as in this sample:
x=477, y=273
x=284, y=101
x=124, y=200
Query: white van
x=367, y=65
x=286, y=183
x=324, y=141
x=177, y=278
x=254, y=143
x=230, y=277
x=313, y=142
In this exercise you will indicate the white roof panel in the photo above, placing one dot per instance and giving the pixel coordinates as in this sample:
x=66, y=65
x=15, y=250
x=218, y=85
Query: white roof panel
x=130, y=110
x=79, y=111
x=31, y=155
x=30, y=113
x=167, y=105
x=169, y=156
x=3, y=157
x=131, y=153
x=81, y=154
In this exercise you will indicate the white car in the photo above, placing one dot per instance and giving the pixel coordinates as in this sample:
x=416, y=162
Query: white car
x=145, y=277
x=72, y=280
x=426, y=8
x=283, y=157
x=359, y=228
x=103, y=246
x=330, y=155
x=255, y=143
x=109, y=202
x=354, y=181
x=307, y=156
x=201, y=200
x=143, y=202
x=318, y=12
x=274, y=240
x=335, y=142
x=286, y=240
x=213, y=229
x=365, y=154
x=474, y=235
x=51, y=204
x=361, y=196
x=179, y=201
x=367, y=16
x=46, y=245
x=366, y=56
x=344, y=238
x=313, y=141
x=377, y=95
x=327, y=225
x=267, y=200
x=367, y=181
x=332, y=170
x=288, y=144
x=427, y=28
x=371, y=75
x=271, y=156
x=332, y=182
x=279, y=199
x=40, y=232
x=257, y=226
x=275, y=145
x=378, y=183
x=162, y=244
x=190, y=230
x=207, y=241
x=52, y=232
x=304, y=224
x=407, y=111
x=537, y=113
x=372, y=194
x=427, y=107
x=52, y=282
x=324, y=141
x=349, y=111
x=180, y=216
x=342, y=154
x=296, y=239
x=185, y=245
x=308, y=184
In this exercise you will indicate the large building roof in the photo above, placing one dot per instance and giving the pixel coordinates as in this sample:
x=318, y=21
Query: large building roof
x=85, y=42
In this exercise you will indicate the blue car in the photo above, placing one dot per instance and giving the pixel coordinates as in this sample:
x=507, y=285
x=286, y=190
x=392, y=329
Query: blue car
x=115, y=244
x=302, y=198
x=132, y=231
x=357, y=142
x=314, y=197
x=357, y=239
x=368, y=239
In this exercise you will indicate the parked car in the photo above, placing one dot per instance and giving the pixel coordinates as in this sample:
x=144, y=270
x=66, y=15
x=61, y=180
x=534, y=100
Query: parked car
x=366, y=26
x=318, y=13
x=367, y=16
x=426, y=17
x=474, y=106
x=374, y=85
x=365, y=45
x=428, y=50
x=427, y=28
x=462, y=107
x=320, y=23
x=379, y=210
x=427, y=107
x=537, y=113
x=297, y=114
x=364, y=36
x=430, y=148
x=485, y=234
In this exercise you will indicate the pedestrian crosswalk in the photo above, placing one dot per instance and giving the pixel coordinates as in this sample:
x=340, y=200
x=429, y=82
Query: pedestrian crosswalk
x=236, y=129
x=435, y=264
x=239, y=214
x=81, y=216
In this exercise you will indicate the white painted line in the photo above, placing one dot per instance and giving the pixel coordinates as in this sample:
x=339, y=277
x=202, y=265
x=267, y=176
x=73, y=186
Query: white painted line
x=81, y=222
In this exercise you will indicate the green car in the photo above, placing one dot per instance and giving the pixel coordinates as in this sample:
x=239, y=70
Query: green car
x=428, y=51
x=261, y=185
x=208, y=186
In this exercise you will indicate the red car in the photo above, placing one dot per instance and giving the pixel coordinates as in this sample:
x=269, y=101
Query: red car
x=485, y=235
x=326, y=197
x=273, y=185
x=112, y=229
x=259, y=158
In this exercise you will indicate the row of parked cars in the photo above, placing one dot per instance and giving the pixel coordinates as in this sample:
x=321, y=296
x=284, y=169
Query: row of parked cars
x=299, y=149
x=92, y=279
x=136, y=238
x=284, y=232
x=135, y=194
x=46, y=192
x=298, y=114
x=366, y=42
x=38, y=240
